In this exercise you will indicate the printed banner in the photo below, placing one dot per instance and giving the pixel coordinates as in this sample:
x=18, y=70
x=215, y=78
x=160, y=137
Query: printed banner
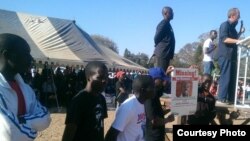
x=184, y=89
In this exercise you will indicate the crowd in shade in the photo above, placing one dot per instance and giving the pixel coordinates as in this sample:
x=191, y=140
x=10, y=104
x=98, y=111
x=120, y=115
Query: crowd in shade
x=64, y=82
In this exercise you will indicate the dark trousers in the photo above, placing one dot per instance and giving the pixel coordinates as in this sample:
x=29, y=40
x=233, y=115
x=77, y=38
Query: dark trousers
x=161, y=62
x=227, y=81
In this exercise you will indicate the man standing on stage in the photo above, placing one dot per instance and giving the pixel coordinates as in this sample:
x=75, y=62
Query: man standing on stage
x=164, y=40
x=227, y=56
x=208, y=52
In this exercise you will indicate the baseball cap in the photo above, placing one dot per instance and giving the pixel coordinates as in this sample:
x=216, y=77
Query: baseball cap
x=158, y=72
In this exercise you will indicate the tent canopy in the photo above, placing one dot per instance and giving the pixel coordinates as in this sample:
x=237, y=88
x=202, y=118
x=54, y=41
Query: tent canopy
x=60, y=41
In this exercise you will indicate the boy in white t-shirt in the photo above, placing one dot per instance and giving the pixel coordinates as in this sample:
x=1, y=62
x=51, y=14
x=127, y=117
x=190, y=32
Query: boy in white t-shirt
x=208, y=50
x=130, y=120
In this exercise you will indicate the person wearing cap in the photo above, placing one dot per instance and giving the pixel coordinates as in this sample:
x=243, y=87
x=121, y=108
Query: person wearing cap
x=121, y=94
x=155, y=124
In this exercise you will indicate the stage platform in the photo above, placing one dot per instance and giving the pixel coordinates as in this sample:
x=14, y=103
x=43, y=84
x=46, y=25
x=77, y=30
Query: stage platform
x=228, y=114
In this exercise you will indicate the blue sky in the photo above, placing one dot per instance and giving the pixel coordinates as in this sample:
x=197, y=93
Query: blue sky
x=131, y=23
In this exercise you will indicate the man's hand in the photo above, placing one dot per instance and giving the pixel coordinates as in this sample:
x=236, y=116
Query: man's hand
x=169, y=70
x=242, y=30
x=170, y=118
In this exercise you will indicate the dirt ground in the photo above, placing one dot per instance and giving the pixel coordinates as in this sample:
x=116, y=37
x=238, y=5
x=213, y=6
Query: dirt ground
x=56, y=128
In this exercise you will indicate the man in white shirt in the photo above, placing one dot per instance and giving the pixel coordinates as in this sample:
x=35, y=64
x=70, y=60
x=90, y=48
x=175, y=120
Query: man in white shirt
x=208, y=50
x=130, y=120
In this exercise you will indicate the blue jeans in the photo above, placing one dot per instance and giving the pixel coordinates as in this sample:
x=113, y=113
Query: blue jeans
x=227, y=80
x=208, y=67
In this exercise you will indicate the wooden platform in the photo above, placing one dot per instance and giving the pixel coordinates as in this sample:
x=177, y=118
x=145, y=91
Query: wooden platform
x=228, y=114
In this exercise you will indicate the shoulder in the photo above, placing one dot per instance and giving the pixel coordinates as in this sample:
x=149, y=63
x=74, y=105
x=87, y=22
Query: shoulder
x=163, y=23
x=225, y=24
x=207, y=42
x=129, y=103
x=81, y=96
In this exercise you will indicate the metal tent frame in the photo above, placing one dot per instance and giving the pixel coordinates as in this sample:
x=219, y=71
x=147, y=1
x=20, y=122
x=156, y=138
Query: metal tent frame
x=243, y=52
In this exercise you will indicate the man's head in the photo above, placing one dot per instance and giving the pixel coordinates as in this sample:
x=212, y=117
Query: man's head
x=206, y=81
x=213, y=34
x=168, y=13
x=15, y=54
x=97, y=76
x=143, y=85
x=233, y=15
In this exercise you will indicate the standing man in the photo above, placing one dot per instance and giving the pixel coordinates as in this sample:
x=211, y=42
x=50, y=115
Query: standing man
x=21, y=114
x=227, y=56
x=208, y=51
x=87, y=110
x=155, y=123
x=164, y=40
x=121, y=93
x=130, y=120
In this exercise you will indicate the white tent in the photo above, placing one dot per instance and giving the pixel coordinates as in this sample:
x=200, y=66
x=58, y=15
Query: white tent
x=60, y=41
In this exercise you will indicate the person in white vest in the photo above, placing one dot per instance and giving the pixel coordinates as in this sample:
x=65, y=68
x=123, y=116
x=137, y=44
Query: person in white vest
x=21, y=114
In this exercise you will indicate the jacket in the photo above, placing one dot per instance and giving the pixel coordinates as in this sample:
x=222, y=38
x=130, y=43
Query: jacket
x=37, y=116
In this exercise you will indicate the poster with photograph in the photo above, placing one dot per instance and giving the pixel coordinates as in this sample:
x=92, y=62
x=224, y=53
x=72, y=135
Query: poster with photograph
x=184, y=89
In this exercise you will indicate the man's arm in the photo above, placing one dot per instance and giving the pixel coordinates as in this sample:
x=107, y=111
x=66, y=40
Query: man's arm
x=122, y=90
x=231, y=41
x=69, y=132
x=160, y=32
x=224, y=35
x=38, y=118
x=112, y=134
x=162, y=121
x=209, y=50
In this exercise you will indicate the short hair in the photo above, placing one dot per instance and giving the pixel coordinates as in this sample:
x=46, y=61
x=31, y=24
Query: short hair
x=232, y=12
x=10, y=42
x=206, y=75
x=166, y=9
x=212, y=31
x=92, y=66
x=142, y=81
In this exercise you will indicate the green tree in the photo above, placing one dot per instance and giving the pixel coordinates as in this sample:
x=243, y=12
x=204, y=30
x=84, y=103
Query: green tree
x=198, y=57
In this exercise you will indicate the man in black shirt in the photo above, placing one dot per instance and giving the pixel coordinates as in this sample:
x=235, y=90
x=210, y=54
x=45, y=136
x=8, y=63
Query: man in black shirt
x=164, y=40
x=155, y=124
x=86, y=113
x=227, y=56
x=121, y=93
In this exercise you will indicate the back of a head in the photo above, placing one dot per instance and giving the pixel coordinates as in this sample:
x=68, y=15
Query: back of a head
x=142, y=81
x=92, y=66
x=11, y=42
